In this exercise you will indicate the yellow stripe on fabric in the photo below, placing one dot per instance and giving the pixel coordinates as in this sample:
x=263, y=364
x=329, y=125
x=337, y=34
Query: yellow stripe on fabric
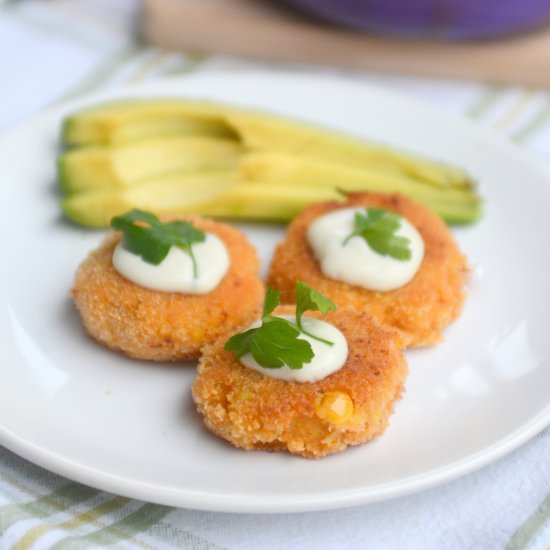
x=537, y=123
x=63, y=498
x=125, y=529
x=92, y=515
x=485, y=101
x=515, y=110
x=33, y=534
x=527, y=532
x=141, y=72
x=190, y=62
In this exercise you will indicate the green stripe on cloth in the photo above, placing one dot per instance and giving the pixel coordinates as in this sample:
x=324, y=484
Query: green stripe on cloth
x=527, y=532
x=123, y=530
x=23, y=469
x=19, y=486
x=94, y=514
x=179, y=538
x=536, y=124
x=190, y=62
x=485, y=101
x=63, y=498
x=516, y=109
x=150, y=64
x=90, y=516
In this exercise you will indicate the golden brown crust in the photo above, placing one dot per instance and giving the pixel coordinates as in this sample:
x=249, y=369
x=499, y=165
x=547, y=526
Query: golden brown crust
x=421, y=309
x=253, y=411
x=167, y=326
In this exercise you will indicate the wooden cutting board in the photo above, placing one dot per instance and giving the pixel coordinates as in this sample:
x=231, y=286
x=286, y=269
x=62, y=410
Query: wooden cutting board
x=266, y=30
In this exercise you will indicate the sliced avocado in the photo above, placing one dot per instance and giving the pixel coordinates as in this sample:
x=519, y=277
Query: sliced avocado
x=455, y=205
x=281, y=202
x=265, y=132
x=130, y=120
x=170, y=194
x=264, y=202
x=125, y=121
x=100, y=166
x=223, y=195
x=305, y=162
x=298, y=170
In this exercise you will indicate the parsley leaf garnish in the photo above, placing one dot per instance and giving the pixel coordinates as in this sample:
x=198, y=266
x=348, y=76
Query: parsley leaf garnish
x=309, y=299
x=273, y=345
x=276, y=341
x=146, y=236
x=378, y=227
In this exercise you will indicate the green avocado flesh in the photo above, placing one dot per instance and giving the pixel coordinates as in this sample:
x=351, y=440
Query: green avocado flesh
x=179, y=156
x=99, y=166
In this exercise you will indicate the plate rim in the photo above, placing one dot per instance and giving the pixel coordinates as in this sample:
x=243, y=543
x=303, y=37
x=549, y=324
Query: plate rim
x=277, y=505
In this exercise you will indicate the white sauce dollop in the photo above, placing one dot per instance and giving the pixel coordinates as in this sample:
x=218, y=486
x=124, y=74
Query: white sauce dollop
x=175, y=272
x=327, y=359
x=357, y=263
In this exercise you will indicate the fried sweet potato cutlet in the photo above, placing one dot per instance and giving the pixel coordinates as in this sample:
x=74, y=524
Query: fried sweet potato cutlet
x=167, y=326
x=421, y=309
x=312, y=419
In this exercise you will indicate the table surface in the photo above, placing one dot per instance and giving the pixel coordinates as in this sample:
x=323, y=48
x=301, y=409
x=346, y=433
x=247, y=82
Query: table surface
x=51, y=51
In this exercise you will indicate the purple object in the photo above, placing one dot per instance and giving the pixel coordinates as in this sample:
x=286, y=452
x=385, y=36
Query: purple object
x=432, y=18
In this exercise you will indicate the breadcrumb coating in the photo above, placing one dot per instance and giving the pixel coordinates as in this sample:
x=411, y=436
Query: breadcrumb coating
x=255, y=411
x=421, y=309
x=167, y=326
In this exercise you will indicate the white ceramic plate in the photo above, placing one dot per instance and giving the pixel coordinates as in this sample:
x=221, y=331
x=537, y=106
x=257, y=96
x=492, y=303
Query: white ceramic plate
x=130, y=427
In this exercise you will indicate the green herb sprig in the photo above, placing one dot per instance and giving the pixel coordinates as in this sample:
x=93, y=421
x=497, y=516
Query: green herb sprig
x=276, y=341
x=378, y=227
x=145, y=235
x=309, y=299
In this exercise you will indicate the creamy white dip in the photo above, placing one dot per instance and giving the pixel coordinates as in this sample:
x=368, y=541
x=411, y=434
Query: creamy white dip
x=175, y=272
x=327, y=359
x=356, y=262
